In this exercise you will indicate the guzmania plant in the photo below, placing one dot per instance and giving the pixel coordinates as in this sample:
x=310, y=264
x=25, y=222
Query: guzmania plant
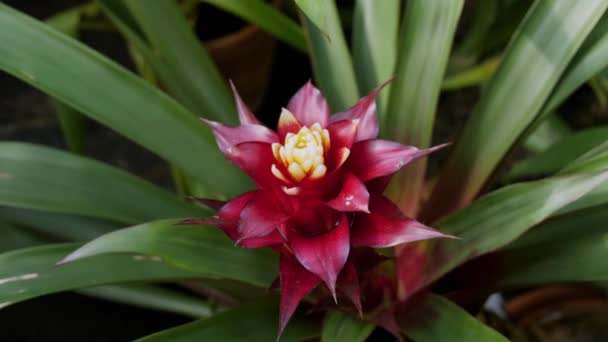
x=341, y=206
x=320, y=180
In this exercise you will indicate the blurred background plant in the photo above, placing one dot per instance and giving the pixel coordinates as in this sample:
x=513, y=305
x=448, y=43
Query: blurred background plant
x=519, y=86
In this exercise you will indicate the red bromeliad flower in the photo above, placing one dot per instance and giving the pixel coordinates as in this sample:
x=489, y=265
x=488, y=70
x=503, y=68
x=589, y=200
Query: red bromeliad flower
x=320, y=180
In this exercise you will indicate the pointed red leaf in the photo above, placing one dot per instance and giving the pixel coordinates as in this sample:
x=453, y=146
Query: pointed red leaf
x=387, y=320
x=342, y=133
x=231, y=211
x=378, y=185
x=296, y=283
x=255, y=159
x=262, y=215
x=272, y=239
x=412, y=260
x=287, y=124
x=371, y=159
x=386, y=226
x=228, y=136
x=348, y=283
x=337, y=158
x=352, y=197
x=323, y=255
x=365, y=112
x=227, y=218
x=245, y=115
x=309, y=106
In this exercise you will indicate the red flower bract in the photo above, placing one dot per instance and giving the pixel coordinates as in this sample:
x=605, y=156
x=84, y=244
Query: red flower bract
x=314, y=198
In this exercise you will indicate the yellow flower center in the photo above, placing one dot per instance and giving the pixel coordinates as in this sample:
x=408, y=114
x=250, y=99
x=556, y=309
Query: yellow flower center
x=302, y=154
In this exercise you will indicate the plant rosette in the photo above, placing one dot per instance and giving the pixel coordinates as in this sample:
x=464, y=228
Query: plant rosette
x=319, y=183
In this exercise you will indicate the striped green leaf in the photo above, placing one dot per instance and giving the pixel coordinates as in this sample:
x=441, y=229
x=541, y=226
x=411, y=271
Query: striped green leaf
x=106, y=92
x=537, y=56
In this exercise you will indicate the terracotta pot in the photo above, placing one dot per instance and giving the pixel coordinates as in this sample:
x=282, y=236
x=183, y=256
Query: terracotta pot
x=245, y=57
x=560, y=313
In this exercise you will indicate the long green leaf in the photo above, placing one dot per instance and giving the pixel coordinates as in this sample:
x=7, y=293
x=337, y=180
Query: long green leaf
x=42, y=178
x=255, y=322
x=425, y=42
x=472, y=76
x=12, y=237
x=497, y=219
x=591, y=59
x=374, y=40
x=594, y=160
x=152, y=297
x=72, y=125
x=99, y=88
x=339, y=326
x=70, y=121
x=569, y=248
x=266, y=17
x=551, y=130
x=434, y=318
x=32, y=272
x=538, y=54
x=331, y=61
x=201, y=249
x=57, y=226
x=560, y=154
x=472, y=44
x=317, y=13
x=201, y=87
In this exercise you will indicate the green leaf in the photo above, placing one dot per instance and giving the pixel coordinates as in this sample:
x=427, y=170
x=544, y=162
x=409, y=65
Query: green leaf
x=67, y=21
x=473, y=76
x=201, y=87
x=72, y=126
x=13, y=237
x=201, y=249
x=268, y=18
x=374, y=40
x=106, y=92
x=427, y=33
x=591, y=59
x=560, y=154
x=317, y=13
x=434, y=318
x=153, y=297
x=498, y=218
x=339, y=326
x=70, y=121
x=472, y=44
x=597, y=197
x=331, y=61
x=32, y=272
x=537, y=56
x=551, y=130
x=249, y=322
x=38, y=177
x=57, y=226
x=594, y=160
x=568, y=248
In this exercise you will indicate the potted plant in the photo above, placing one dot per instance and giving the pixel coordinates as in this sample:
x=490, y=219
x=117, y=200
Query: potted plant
x=339, y=219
